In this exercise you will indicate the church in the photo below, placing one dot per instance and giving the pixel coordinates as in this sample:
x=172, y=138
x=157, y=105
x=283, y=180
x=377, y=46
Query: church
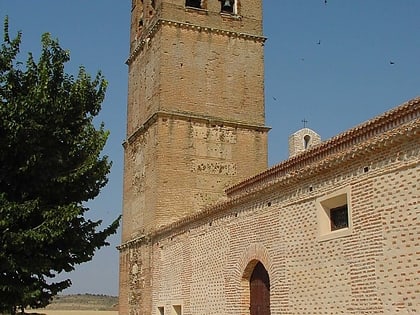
x=208, y=228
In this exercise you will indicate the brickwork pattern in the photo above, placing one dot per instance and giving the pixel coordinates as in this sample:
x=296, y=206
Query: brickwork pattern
x=135, y=279
x=195, y=126
x=399, y=271
x=177, y=167
x=374, y=270
x=195, y=117
x=210, y=74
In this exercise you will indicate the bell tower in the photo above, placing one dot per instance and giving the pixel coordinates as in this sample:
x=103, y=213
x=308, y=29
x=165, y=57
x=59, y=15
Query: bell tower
x=195, y=107
x=195, y=116
x=195, y=120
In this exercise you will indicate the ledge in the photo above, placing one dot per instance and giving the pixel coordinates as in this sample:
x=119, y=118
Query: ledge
x=145, y=39
x=196, y=118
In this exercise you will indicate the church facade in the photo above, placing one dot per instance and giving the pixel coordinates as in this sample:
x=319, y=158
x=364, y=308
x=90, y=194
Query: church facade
x=208, y=228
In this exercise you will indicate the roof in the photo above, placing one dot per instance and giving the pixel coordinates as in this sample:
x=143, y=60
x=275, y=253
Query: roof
x=395, y=125
x=376, y=126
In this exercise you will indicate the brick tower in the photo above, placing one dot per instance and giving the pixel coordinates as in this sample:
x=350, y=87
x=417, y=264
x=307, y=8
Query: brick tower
x=195, y=119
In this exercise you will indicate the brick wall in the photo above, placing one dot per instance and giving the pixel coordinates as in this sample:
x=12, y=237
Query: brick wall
x=205, y=265
x=195, y=126
x=178, y=166
x=195, y=117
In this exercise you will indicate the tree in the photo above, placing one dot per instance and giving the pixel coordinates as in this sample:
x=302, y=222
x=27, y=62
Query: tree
x=50, y=166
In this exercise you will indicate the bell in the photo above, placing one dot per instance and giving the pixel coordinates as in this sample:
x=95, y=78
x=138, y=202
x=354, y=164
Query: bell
x=227, y=6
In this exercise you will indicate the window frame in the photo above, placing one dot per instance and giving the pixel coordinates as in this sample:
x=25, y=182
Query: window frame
x=234, y=4
x=330, y=202
x=200, y=6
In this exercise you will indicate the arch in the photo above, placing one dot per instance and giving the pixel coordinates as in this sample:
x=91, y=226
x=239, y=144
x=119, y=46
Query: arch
x=256, y=257
x=302, y=140
x=259, y=291
x=255, y=290
x=306, y=141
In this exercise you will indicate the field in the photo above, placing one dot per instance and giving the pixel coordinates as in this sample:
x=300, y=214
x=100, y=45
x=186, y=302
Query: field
x=80, y=304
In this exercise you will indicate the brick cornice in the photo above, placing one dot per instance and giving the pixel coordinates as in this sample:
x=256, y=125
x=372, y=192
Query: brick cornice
x=343, y=142
x=186, y=116
x=158, y=23
x=133, y=242
x=388, y=129
x=391, y=137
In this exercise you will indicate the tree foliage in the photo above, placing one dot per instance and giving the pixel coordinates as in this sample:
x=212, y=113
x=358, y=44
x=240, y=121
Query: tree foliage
x=50, y=166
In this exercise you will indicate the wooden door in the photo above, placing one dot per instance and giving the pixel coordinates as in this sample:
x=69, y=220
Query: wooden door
x=259, y=285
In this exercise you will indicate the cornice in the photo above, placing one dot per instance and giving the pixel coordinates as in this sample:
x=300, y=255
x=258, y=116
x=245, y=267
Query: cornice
x=343, y=142
x=393, y=137
x=133, y=242
x=400, y=134
x=193, y=118
x=158, y=23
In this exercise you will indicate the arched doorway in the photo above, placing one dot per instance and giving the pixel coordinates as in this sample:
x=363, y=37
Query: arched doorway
x=259, y=287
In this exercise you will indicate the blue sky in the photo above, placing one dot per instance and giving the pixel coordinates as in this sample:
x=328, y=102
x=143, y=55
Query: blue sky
x=327, y=63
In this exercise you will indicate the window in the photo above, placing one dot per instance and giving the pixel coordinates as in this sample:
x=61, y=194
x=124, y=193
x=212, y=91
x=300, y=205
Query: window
x=161, y=310
x=228, y=6
x=334, y=214
x=339, y=218
x=306, y=141
x=193, y=3
x=177, y=310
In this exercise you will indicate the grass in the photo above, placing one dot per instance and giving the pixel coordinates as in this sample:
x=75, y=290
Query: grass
x=88, y=302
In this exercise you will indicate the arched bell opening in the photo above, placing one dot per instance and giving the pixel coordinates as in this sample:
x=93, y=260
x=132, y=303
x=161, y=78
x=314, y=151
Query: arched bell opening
x=306, y=142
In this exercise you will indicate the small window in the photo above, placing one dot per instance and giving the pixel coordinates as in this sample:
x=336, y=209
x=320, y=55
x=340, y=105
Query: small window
x=193, y=3
x=228, y=6
x=334, y=214
x=339, y=218
x=306, y=141
x=177, y=309
x=161, y=310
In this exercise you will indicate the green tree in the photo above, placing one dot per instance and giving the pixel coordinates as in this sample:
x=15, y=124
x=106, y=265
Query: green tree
x=50, y=166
